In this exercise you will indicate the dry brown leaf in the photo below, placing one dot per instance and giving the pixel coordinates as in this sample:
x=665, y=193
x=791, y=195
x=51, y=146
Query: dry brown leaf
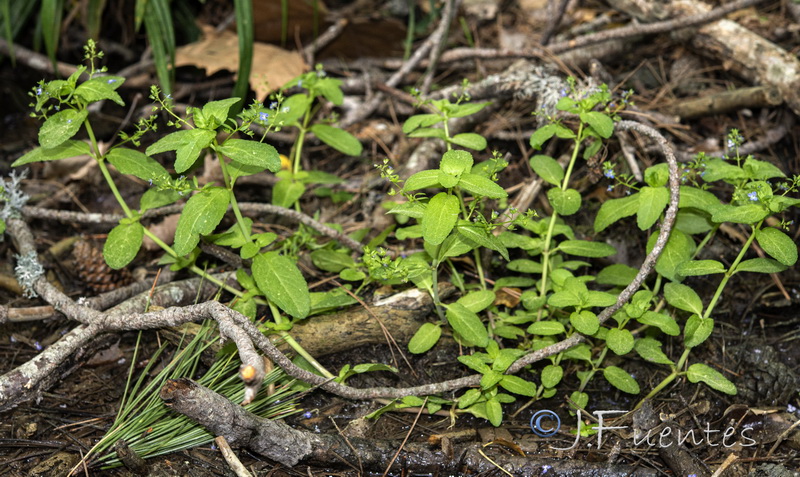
x=272, y=66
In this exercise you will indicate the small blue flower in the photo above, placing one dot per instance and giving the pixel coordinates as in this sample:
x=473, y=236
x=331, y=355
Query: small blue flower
x=39, y=91
x=58, y=108
x=307, y=415
x=285, y=109
x=38, y=346
x=753, y=196
x=263, y=117
x=168, y=96
x=69, y=121
x=321, y=74
x=111, y=81
x=609, y=173
x=731, y=144
x=151, y=182
x=563, y=92
x=610, y=188
x=273, y=105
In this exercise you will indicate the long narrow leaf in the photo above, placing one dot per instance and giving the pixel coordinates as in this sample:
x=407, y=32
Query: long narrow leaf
x=244, y=27
x=50, y=17
x=158, y=25
x=94, y=17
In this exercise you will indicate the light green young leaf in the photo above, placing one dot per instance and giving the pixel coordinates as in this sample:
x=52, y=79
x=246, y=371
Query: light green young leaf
x=331, y=89
x=551, y=375
x=448, y=181
x=216, y=112
x=338, y=139
x=546, y=328
x=494, y=412
x=100, y=88
x=475, y=363
x=579, y=399
x=600, y=122
x=202, y=214
x=619, y=341
x=481, y=237
x=470, y=140
x=478, y=300
x=585, y=248
x=293, y=108
x=585, y=322
x=548, y=169
x=252, y=153
x=657, y=175
x=652, y=202
x=614, y=210
x=122, y=244
x=188, y=145
x=422, y=180
x=467, y=324
x=697, y=330
x=352, y=275
x=456, y=162
x=565, y=202
x=286, y=192
x=700, y=372
x=60, y=127
x=135, y=163
x=695, y=268
x=663, y=322
x=620, y=379
x=778, y=245
x=280, y=280
x=439, y=218
x=66, y=149
x=420, y=121
x=760, y=265
x=481, y=186
x=426, y=336
x=650, y=349
x=517, y=385
x=683, y=298
x=465, y=109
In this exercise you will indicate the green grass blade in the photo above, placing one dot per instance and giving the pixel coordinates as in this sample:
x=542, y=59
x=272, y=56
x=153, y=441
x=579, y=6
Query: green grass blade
x=284, y=22
x=5, y=10
x=158, y=25
x=244, y=27
x=50, y=17
x=94, y=17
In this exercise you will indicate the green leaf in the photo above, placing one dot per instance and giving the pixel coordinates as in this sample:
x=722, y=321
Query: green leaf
x=585, y=248
x=481, y=186
x=422, y=180
x=760, y=265
x=517, y=385
x=683, y=298
x=481, y=237
x=657, y=176
x=695, y=268
x=600, y=122
x=293, y=108
x=201, y=215
x=652, y=202
x=778, y=245
x=585, y=322
x=494, y=412
x=470, y=140
x=741, y=214
x=679, y=249
x=280, y=280
x=524, y=265
x=426, y=336
x=477, y=301
x=286, y=192
x=761, y=170
x=475, y=363
x=338, y=139
x=188, y=145
x=453, y=246
x=700, y=372
x=448, y=181
x=67, y=149
x=490, y=379
x=564, y=299
x=122, y=244
x=620, y=379
x=154, y=198
x=135, y=163
x=100, y=88
x=546, y=328
x=692, y=222
x=440, y=218
x=615, y=209
x=598, y=298
x=551, y=375
x=60, y=127
x=420, y=120
x=718, y=169
x=580, y=399
x=619, y=341
x=465, y=109
x=548, y=169
x=565, y=202
x=216, y=112
x=467, y=324
x=650, y=349
x=352, y=275
x=663, y=322
x=456, y=162
x=252, y=153
x=437, y=133
x=618, y=274
x=331, y=89
x=331, y=261
x=542, y=135
x=697, y=330
x=697, y=199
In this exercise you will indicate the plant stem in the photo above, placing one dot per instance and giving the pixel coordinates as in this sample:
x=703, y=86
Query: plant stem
x=731, y=271
x=234, y=204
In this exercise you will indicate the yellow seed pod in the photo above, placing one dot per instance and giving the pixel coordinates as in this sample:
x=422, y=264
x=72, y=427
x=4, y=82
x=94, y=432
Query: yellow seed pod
x=286, y=164
x=247, y=373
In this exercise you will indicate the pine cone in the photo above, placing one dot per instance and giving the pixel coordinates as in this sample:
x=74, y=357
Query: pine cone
x=92, y=270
